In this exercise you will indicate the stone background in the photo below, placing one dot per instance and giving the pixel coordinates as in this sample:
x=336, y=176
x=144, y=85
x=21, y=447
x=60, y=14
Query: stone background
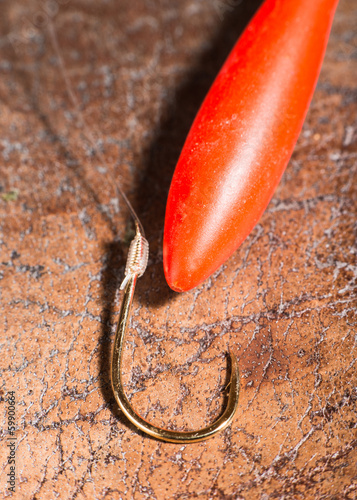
x=285, y=303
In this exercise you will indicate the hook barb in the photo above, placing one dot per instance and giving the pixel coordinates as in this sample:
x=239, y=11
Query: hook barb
x=136, y=265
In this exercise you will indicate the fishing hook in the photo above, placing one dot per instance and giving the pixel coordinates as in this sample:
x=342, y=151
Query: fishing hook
x=135, y=267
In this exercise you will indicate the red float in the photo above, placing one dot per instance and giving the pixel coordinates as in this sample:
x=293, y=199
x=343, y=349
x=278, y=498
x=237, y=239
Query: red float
x=243, y=136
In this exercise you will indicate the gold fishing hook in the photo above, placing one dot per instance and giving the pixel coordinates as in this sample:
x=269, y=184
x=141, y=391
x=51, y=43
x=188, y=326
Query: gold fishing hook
x=135, y=267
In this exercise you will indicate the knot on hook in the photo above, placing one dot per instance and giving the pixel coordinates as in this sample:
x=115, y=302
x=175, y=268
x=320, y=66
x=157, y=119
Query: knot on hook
x=137, y=258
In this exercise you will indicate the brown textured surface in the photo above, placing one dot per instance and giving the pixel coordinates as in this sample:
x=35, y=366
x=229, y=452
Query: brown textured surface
x=285, y=302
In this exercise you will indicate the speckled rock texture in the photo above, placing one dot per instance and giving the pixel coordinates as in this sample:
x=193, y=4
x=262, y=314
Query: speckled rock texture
x=285, y=303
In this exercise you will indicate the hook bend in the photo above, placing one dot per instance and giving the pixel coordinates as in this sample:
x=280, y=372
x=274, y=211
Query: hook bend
x=136, y=265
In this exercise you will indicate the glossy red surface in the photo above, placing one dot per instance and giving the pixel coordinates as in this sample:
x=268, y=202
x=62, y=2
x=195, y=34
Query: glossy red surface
x=243, y=136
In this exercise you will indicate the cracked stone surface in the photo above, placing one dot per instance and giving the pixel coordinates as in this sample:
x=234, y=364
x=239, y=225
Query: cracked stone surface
x=285, y=302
